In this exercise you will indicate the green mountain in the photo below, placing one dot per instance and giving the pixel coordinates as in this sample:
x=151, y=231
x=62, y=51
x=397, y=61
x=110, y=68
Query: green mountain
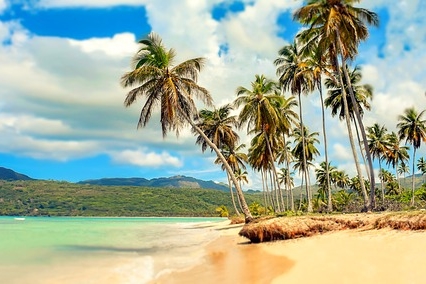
x=170, y=182
x=8, y=174
x=54, y=198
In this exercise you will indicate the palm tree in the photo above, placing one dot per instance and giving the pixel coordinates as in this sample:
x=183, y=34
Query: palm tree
x=403, y=169
x=412, y=128
x=288, y=119
x=285, y=177
x=260, y=111
x=421, y=166
x=396, y=154
x=172, y=87
x=379, y=144
x=323, y=175
x=344, y=107
x=304, y=160
x=316, y=65
x=217, y=125
x=236, y=160
x=339, y=28
x=290, y=69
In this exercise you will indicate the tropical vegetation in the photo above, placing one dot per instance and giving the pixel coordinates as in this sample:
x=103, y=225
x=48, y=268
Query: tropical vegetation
x=271, y=112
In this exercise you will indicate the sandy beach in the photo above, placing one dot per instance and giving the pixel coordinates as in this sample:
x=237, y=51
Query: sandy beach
x=349, y=256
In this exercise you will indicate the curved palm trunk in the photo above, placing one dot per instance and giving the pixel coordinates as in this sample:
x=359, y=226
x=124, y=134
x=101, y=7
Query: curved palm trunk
x=308, y=196
x=351, y=139
x=329, y=201
x=245, y=208
x=372, y=201
x=232, y=195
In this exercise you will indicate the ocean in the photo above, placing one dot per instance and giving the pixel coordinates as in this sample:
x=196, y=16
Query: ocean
x=99, y=250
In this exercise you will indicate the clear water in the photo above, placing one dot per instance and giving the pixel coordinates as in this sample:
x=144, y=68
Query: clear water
x=99, y=250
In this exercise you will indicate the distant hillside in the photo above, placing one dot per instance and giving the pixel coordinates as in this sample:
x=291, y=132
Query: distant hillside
x=8, y=174
x=170, y=182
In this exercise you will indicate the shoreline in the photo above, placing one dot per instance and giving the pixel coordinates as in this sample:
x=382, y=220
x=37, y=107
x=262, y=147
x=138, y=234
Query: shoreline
x=352, y=256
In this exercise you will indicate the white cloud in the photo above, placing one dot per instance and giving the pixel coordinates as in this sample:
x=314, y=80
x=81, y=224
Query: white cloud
x=85, y=3
x=119, y=45
x=3, y=6
x=145, y=158
x=61, y=87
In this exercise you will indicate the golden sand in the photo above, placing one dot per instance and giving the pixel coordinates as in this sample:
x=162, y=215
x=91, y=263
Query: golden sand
x=354, y=256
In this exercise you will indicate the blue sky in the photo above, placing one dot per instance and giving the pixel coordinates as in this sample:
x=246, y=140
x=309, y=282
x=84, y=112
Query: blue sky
x=61, y=104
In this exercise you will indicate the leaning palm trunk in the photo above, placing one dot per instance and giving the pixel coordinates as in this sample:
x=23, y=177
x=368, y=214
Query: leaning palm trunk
x=372, y=201
x=351, y=138
x=244, y=206
x=329, y=201
x=232, y=195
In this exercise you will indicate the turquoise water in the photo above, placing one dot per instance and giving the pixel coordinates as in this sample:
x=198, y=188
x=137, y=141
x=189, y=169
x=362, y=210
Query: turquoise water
x=83, y=250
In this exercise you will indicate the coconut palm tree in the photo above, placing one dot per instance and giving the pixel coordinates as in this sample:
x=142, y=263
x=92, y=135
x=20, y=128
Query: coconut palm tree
x=421, y=166
x=309, y=139
x=403, y=169
x=343, y=107
x=412, y=128
x=396, y=154
x=379, y=144
x=236, y=160
x=291, y=69
x=218, y=125
x=323, y=176
x=173, y=88
x=261, y=112
x=339, y=28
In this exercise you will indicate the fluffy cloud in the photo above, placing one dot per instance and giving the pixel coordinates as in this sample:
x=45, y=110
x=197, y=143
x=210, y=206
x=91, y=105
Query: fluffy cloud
x=85, y=3
x=61, y=97
x=145, y=158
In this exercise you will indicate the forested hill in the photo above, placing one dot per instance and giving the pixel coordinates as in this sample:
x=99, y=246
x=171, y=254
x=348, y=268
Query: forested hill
x=171, y=182
x=8, y=174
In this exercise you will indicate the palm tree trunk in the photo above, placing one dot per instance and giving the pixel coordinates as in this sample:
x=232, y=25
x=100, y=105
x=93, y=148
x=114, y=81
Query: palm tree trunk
x=329, y=202
x=348, y=125
x=287, y=178
x=382, y=187
x=308, y=196
x=413, y=177
x=351, y=139
x=361, y=126
x=246, y=211
x=232, y=195
x=274, y=171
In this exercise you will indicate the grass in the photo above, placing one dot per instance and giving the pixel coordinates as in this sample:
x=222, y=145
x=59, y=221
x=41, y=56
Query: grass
x=283, y=228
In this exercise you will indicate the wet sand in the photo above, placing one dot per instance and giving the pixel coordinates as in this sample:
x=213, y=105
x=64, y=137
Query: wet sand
x=350, y=256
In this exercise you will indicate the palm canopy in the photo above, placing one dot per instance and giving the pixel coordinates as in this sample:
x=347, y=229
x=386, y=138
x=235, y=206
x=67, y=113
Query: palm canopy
x=218, y=125
x=396, y=153
x=337, y=20
x=172, y=87
x=378, y=141
x=309, y=139
x=291, y=70
x=259, y=105
x=412, y=127
x=363, y=93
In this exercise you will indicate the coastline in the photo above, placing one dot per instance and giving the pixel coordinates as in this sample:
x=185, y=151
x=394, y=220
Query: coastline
x=344, y=256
